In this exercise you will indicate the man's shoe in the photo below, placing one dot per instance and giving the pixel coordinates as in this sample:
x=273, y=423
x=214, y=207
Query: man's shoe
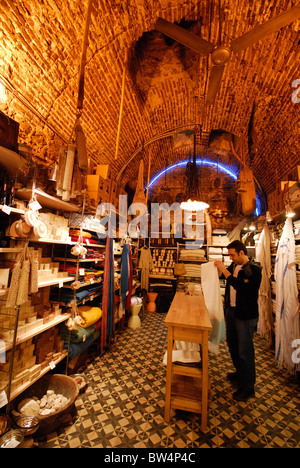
x=243, y=395
x=233, y=377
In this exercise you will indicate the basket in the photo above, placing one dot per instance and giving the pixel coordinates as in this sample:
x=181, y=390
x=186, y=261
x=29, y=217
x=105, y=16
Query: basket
x=61, y=384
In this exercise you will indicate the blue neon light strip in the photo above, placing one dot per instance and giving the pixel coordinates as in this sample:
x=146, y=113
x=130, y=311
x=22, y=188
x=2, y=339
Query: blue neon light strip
x=205, y=162
x=198, y=162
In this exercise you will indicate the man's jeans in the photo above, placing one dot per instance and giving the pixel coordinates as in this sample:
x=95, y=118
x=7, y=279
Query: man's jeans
x=239, y=334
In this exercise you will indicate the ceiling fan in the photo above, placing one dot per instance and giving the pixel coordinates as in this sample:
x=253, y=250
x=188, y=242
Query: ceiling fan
x=220, y=54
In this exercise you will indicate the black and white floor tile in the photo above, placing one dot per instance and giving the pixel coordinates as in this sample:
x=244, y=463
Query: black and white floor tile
x=123, y=404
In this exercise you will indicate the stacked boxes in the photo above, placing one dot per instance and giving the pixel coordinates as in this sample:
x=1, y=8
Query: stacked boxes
x=24, y=369
x=98, y=184
x=48, y=345
x=32, y=315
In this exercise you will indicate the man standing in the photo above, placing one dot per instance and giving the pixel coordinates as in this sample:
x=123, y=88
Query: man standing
x=241, y=314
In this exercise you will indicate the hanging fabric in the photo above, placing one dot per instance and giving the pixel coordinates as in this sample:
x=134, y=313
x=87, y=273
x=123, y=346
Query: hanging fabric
x=125, y=273
x=213, y=301
x=248, y=191
x=80, y=142
x=246, y=185
x=139, y=196
x=145, y=264
x=128, y=297
x=287, y=304
x=263, y=256
x=24, y=279
x=107, y=293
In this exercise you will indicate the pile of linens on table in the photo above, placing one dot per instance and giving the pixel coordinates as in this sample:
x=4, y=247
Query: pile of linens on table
x=86, y=333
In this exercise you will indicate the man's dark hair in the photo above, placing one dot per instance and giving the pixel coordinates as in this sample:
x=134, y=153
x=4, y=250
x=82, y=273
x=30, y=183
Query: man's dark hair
x=238, y=246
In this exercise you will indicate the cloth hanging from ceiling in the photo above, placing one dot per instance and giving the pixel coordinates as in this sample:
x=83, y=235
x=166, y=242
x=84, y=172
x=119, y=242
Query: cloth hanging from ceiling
x=145, y=264
x=235, y=234
x=287, y=304
x=263, y=256
x=213, y=301
x=247, y=193
x=139, y=196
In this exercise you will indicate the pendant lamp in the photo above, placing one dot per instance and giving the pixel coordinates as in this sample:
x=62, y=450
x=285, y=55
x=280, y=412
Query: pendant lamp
x=193, y=195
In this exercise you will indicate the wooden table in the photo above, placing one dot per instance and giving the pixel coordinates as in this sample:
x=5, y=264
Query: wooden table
x=186, y=386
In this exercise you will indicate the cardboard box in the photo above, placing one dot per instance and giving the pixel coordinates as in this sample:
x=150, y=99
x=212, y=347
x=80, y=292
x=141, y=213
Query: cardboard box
x=93, y=182
x=103, y=170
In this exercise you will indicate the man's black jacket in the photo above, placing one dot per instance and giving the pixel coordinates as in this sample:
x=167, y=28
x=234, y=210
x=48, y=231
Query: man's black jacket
x=247, y=286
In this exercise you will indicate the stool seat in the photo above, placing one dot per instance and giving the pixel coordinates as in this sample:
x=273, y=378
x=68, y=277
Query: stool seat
x=134, y=319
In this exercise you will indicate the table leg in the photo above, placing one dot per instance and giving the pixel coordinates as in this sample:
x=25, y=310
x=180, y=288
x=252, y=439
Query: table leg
x=204, y=381
x=169, y=374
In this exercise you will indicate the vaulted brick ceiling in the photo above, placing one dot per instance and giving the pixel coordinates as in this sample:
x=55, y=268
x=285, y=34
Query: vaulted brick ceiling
x=165, y=82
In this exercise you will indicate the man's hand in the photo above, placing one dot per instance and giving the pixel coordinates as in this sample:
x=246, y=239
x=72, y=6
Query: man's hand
x=222, y=269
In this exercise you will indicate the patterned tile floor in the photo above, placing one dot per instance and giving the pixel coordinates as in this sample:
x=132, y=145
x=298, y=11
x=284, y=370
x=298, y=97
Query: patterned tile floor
x=123, y=405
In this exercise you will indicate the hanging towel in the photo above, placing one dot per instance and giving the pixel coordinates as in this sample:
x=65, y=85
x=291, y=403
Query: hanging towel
x=128, y=298
x=145, y=264
x=111, y=295
x=263, y=256
x=14, y=282
x=287, y=305
x=125, y=267
x=213, y=301
x=105, y=293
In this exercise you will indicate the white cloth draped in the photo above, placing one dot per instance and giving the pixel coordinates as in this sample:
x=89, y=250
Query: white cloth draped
x=287, y=305
x=213, y=301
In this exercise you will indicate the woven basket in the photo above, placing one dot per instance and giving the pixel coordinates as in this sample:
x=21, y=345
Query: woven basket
x=61, y=384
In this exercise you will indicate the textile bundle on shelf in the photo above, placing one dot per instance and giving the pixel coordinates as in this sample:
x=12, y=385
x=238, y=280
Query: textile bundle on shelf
x=77, y=348
x=89, y=315
x=77, y=336
x=213, y=301
x=287, y=305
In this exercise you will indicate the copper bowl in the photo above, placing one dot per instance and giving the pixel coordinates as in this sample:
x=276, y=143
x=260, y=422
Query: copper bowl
x=28, y=424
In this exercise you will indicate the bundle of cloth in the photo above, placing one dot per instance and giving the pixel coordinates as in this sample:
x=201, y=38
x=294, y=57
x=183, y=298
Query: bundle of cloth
x=66, y=296
x=87, y=237
x=84, y=335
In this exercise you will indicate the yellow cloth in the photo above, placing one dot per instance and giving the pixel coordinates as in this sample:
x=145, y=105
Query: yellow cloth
x=89, y=315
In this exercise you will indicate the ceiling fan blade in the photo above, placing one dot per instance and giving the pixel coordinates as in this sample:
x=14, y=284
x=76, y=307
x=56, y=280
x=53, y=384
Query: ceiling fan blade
x=262, y=30
x=214, y=83
x=187, y=38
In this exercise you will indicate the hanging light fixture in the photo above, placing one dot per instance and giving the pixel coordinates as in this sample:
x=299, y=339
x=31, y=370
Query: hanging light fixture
x=290, y=213
x=193, y=196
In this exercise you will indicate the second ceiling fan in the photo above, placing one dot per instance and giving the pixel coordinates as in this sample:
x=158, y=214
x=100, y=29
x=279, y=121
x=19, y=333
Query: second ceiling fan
x=221, y=54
